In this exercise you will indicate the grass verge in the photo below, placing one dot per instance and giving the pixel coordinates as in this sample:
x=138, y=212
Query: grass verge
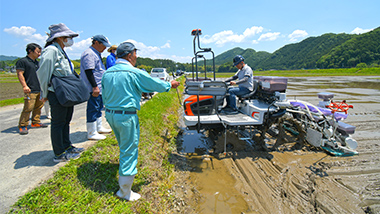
x=9, y=102
x=88, y=184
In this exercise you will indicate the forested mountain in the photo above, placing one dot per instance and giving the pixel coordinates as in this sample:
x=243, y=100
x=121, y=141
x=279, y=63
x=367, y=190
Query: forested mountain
x=364, y=48
x=6, y=58
x=252, y=58
x=325, y=51
x=304, y=54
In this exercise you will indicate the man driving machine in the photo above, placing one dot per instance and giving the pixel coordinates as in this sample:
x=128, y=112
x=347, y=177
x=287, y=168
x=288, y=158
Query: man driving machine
x=244, y=81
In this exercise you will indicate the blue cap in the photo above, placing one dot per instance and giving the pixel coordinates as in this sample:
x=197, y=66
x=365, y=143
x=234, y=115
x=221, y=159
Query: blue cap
x=238, y=59
x=102, y=39
x=124, y=49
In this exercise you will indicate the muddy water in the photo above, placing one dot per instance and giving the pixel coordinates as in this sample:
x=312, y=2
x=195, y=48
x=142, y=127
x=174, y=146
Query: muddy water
x=211, y=177
x=297, y=181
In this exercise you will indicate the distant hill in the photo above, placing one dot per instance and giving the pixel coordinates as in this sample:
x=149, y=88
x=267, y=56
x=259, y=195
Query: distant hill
x=252, y=58
x=304, y=54
x=5, y=58
x=325, y=51
x=363, y=48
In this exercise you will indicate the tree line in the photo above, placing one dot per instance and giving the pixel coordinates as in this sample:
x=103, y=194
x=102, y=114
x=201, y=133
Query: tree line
x=325, y=51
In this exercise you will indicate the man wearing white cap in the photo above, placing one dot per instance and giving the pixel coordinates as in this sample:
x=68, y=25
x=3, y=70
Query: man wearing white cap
x=122, y=87
x=92, y=69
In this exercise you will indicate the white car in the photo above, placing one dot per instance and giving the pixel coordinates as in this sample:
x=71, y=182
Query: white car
x=160, y=73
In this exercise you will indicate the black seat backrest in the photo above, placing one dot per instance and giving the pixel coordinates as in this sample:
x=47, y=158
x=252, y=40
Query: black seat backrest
x=252, y=93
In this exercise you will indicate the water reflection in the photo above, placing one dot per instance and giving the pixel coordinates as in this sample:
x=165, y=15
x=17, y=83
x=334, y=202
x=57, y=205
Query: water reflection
x=193, y=142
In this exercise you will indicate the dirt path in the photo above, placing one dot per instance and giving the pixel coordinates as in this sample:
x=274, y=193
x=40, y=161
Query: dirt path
x=306, y=181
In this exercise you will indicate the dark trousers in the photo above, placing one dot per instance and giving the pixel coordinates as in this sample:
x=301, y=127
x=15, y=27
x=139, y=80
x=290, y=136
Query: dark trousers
x=60, y=124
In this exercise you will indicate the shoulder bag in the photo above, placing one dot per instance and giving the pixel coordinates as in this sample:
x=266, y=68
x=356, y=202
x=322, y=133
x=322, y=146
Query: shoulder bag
x=71, y=89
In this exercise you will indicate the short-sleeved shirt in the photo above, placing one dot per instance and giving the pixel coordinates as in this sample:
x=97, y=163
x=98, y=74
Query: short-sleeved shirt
x=246, y=71
x=30, y=68
x=91, y=60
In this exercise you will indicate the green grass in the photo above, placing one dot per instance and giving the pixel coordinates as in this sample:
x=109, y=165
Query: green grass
x=11, y=101
x=6, y=77
x=88, y=184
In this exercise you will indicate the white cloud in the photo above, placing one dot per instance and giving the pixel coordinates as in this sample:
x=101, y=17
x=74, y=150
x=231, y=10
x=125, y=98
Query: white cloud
x=22, y=31
x=27, y=33
x=228, y=36
x=252, y=31
x=78, y=47
x=182, y=59
x=297, y=34
x=145, y=50
x=359, y=30
x=269, y=36
x=167, y=45
x=153, y=52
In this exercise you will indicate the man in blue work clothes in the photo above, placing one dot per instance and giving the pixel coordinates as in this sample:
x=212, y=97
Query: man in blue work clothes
x=122, y=87
x=91, y=71
x=244, y=78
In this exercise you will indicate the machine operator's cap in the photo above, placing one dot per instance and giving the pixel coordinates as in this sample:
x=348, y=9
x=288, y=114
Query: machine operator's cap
x=238, y=59
x=124, y=49
x=102, y=39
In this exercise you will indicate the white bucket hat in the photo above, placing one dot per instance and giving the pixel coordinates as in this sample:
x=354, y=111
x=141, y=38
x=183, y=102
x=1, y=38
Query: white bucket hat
x=60, y=30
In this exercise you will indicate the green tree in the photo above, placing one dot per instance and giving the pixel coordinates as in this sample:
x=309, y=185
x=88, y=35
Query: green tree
x=361, y=65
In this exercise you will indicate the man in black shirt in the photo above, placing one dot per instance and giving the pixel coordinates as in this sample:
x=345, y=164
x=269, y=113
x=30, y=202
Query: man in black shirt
x=26, y=72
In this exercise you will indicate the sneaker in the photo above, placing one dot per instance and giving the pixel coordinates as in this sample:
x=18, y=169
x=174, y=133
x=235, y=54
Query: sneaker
x=74, y=150
x=66, y=157
x=229, y=110
x=23, y=130
x=38, y=125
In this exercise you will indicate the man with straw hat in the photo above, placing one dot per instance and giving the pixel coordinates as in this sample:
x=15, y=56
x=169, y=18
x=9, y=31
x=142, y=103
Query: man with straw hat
x=111, y=59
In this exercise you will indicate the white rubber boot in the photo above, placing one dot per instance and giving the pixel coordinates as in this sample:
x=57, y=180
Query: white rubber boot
x=92, y=134
x=47, y=109
x=125, y=192
x=100, y=127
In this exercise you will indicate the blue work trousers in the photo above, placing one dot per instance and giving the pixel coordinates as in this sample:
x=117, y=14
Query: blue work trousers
x=94, y=108
x=127, y=132
x=235, y=91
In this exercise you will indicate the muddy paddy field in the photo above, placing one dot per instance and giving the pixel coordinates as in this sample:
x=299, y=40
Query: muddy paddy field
x=293, y=181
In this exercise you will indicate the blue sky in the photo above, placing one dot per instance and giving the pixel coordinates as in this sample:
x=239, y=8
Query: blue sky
x=162, y=29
